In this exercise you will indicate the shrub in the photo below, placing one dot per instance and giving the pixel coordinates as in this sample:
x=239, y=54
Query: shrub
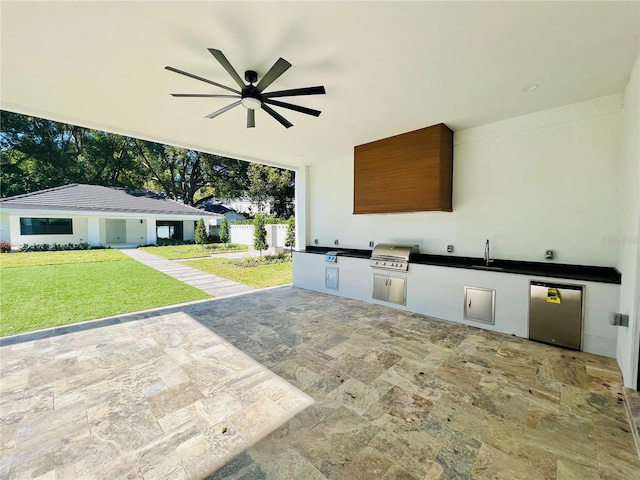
x=225, y=234
x=201, y=233
x=248, y=262
x=5, y=247
x=163, y=242
x=267, y=221
x=259, y=234
x=56, y=247
x=290, y=239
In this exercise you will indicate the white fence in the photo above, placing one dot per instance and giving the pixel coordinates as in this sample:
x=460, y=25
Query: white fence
x=243, y=234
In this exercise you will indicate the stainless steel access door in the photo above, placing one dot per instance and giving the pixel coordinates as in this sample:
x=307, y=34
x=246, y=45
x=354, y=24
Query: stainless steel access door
x=556, y=319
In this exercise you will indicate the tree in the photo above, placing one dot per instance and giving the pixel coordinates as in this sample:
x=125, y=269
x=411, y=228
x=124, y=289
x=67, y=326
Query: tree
x=175, y=171
x=272, y=184
x=225, y=234
x=201, y=233
x=290, y=239
x=110, y=160
x=226, y=177
x=259, y=233
x=36, y=154
x=189, y=176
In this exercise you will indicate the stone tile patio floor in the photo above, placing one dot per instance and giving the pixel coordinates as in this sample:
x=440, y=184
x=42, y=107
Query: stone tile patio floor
x=288, y=383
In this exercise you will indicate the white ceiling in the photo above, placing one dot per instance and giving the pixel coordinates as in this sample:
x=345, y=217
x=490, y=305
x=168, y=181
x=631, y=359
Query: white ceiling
x=388, y=67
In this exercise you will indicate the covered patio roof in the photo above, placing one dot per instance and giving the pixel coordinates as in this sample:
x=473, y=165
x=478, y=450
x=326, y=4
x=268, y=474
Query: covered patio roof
x=388, y=67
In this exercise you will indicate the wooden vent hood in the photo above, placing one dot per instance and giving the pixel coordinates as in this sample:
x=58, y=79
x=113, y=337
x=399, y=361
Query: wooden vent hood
x=411, y=172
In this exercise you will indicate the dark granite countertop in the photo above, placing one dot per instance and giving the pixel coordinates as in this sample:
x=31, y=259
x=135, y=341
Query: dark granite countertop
x=587, y=273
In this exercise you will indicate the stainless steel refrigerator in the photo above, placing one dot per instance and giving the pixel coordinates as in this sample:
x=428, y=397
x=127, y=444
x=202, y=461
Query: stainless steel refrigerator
x=555, y=314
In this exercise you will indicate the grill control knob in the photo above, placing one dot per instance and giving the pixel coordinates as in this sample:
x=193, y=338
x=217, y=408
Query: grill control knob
x=384, y=263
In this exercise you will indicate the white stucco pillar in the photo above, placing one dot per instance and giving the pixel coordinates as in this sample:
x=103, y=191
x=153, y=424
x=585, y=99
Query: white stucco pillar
x=302, y=206
x=5, y=228
x=93, y=230
x=151, y=231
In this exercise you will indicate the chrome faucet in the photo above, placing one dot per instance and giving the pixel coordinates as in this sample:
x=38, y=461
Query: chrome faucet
x=487, y=254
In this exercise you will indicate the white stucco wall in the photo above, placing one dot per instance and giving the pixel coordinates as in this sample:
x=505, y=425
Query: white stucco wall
x=529, y=184
x=5, y=230
x=243, y=234
x=136, y=231
x=188, y=229
x=628, y=238
x=79, y=235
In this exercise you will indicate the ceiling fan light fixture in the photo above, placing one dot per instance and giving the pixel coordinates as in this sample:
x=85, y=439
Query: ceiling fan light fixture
x=251, y=96
x=251, y=103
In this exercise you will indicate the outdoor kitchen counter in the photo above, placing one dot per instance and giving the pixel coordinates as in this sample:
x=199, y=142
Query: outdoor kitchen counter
x=555, y=270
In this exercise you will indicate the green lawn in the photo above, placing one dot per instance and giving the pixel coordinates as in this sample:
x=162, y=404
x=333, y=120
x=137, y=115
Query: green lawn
x=258, y=276
x=47, y=289
x=178, y=252
x=26, y=259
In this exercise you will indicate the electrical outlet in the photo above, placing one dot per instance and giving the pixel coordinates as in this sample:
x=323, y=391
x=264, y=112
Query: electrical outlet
x=449, y=248
x=371, y=244
x=315, y=241
x=335, y=242
x=548, y=254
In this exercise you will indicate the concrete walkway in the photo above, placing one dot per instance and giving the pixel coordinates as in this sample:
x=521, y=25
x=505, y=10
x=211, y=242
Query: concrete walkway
x=217, y=286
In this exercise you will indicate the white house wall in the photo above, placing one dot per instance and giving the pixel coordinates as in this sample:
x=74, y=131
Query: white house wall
x=136, y=231
x=529, y=184
x=103, y=231
x=79, y=235
x=92, y=229
x=627, y=239
x=5, y=230
x=188, y=229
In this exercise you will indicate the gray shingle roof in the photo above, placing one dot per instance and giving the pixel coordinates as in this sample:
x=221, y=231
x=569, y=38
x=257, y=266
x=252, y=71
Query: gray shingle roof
x=91, y=198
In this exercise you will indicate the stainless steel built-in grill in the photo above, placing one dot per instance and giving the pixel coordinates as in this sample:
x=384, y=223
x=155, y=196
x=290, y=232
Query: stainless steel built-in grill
x=392, y=257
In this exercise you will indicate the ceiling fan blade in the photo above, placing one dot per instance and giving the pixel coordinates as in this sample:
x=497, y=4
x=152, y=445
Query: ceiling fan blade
x=274, y=72
x=296, y=92
x=227, y=66
x=286, y=123
x=251, y=118
x=291, y=106
x=222, y=110
x=209, y=95
x=191, y=75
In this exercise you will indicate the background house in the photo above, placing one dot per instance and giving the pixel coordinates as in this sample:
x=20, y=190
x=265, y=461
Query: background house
x=543, y=99
x=219, y=207
x=96, y=215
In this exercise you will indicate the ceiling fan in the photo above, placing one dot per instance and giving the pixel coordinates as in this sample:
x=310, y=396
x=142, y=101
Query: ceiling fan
x=252, y=96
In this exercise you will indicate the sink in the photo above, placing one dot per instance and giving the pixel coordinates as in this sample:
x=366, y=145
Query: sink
x=486, y=267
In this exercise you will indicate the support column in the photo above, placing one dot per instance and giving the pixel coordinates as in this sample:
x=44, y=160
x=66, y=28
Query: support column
x=151, y=231
x=302, y=207
x=93, y=231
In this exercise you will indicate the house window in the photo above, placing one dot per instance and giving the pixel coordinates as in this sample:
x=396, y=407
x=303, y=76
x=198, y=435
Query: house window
x=165, y=229
x=46, y=226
